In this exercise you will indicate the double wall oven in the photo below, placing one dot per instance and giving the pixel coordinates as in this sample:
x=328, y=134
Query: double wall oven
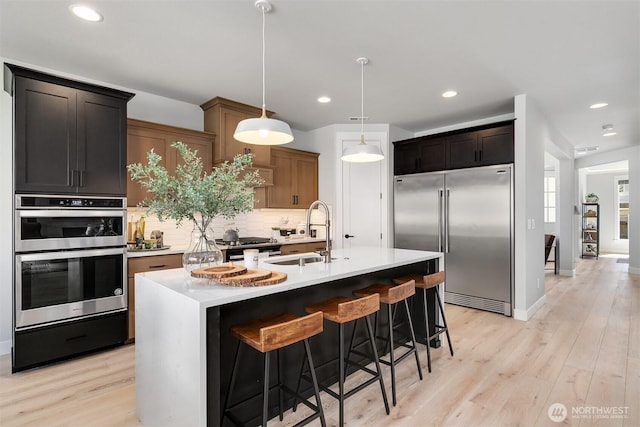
x=70, y=276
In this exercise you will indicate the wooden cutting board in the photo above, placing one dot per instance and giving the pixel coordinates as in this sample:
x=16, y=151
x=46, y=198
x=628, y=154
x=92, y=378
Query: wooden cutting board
x=219, y=271
x=254, y=278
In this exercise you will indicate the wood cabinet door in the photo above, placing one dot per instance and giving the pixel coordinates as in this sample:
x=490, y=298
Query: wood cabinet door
x=305, y=180
x=406, y=157
x=495, y=146
x=202, y=146
x=139, y=143
x=102, y=144
x=462, y=151
x=432, y=154
x=231, y=147
x=280, y=195
x=45, y=137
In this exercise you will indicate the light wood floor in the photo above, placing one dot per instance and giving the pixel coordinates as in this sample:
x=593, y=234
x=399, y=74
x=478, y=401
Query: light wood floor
x=582, y=349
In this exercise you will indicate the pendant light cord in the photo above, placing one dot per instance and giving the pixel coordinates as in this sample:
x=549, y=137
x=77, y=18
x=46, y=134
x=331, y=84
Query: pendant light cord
x=264, y=103
x=362, y=102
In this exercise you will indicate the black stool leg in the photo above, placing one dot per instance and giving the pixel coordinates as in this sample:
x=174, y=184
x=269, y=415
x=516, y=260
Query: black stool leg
x=265, y=390
x=391, y=358
x=444, y=320
x=377, y=361
x=307, y=350
x=341, y=373
x=280, y=391
x=413, y=338
x=426, y=328
x=232, y=382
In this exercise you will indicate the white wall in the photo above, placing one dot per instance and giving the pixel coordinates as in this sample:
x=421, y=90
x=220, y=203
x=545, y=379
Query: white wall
x=603, y=184
x=6, y=219
x=530, y=135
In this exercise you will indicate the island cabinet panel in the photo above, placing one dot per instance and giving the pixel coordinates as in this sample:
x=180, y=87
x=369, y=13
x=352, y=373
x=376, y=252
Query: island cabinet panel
x=140, y=265
x=423, y=154
x=143, y=137
x=295, y=178
x=221, y=116
x=70, y=137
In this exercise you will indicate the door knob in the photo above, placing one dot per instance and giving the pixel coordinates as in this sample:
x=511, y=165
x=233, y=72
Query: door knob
x=346, y=236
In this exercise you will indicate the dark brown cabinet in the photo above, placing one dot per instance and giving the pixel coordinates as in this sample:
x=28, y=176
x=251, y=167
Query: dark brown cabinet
x=479, y=146
x=70, y=137
x=423, y=154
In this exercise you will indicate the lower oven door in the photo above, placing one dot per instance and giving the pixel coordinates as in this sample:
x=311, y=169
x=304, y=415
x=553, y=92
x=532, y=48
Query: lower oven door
x=57, y=286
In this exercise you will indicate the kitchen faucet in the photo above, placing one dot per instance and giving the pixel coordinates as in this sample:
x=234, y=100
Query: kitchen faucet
x=327, y=224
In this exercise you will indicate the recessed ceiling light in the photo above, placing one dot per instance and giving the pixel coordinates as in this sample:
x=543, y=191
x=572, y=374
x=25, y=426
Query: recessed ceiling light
x=609, y=134
x=85, y=12
x=449, y=94
x=324, y=99
x=598, y=105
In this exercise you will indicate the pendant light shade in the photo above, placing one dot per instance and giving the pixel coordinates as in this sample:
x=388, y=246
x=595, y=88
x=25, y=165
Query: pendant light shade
x=263, y=130
x=362, y=152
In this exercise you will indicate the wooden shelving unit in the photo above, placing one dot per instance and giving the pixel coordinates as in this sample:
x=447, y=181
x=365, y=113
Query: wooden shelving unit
x=590, y=230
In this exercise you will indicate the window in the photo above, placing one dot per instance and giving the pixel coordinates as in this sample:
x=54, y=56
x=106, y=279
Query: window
x=549, y=199
x=622, y=207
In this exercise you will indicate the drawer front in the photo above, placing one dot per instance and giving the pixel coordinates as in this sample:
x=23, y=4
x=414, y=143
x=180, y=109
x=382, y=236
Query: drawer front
x=151, y=263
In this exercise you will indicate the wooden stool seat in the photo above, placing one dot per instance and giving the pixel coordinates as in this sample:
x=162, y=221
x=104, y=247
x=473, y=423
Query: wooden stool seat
x=344, y=309
x=389, y=294
x=426, y=282
x=278, y=331
x=269, y=334
x=423, y=282
x=392, y=295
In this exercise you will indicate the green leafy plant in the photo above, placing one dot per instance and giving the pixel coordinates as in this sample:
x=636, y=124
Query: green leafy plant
x=194, y=194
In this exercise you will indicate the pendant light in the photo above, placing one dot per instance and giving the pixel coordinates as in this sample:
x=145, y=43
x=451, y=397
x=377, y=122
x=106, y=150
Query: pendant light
x=362, y=153
x=263, y=130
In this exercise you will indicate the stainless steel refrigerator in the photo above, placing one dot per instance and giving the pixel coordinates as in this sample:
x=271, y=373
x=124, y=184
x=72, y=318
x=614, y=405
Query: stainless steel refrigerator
x=468, y=215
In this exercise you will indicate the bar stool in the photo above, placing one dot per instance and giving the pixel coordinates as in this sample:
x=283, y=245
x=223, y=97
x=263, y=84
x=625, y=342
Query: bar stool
x=342, y=310
x=274, y=333
x=390, y=296
x=425, y=283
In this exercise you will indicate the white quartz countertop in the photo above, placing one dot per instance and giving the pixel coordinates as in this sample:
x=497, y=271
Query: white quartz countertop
x=347, y=263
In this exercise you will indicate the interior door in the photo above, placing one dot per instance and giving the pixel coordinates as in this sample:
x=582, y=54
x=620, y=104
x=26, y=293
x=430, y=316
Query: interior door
x=362, y=200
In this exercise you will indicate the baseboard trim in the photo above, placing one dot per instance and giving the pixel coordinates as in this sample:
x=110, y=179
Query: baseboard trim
x=5, y=347
x=569, y=273
x=634, y=270
x=527, y=314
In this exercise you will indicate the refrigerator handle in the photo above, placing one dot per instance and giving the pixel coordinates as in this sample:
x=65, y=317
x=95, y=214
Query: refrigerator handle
x=446, y=223
x=440, y=216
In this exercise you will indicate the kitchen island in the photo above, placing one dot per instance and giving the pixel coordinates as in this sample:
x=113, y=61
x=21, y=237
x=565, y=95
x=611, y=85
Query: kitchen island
x=184, y=349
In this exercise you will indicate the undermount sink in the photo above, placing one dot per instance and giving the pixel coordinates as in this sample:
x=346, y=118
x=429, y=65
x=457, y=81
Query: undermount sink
x=295, y=260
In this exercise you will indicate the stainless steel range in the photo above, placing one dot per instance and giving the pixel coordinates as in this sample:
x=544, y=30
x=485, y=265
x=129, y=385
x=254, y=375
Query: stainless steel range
x=70, y=276
x=235, y=249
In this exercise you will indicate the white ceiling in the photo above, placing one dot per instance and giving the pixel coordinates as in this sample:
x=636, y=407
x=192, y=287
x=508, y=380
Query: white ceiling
x=565, y=55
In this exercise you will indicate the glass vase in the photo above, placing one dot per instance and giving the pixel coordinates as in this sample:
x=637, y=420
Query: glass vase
x=202, y=252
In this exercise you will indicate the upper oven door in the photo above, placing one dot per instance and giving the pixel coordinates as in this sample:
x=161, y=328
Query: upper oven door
x=55, y=229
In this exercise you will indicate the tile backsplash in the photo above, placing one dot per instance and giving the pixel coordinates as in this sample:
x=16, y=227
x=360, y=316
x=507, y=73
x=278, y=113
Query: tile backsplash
x=253, y=224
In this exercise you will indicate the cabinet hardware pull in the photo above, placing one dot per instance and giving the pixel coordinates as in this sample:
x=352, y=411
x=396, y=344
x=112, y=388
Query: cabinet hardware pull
x=79, y=337
x=157, y=266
